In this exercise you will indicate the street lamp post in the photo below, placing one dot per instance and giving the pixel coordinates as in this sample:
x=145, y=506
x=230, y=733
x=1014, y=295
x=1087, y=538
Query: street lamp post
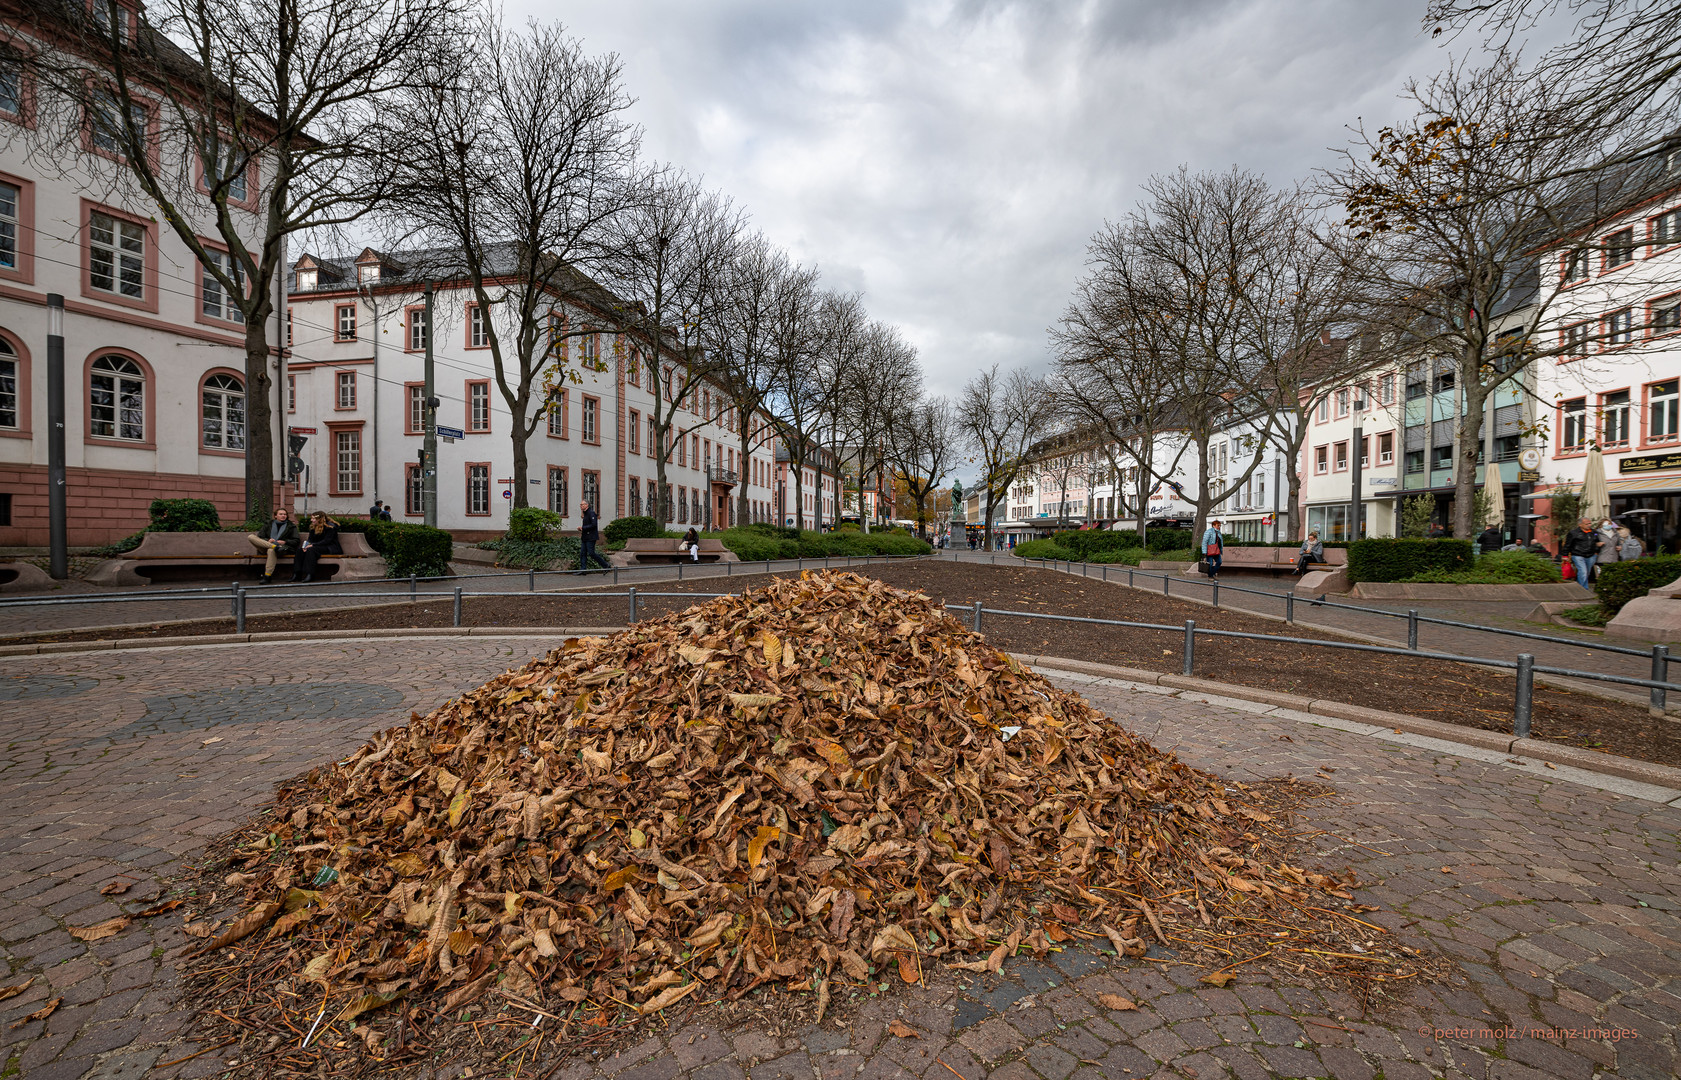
x=57, y=524
x=1357, y=450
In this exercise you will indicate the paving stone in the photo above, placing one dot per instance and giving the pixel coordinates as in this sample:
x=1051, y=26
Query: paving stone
x=1049, y=1062
x=993, y=1039
x=1289, y=1061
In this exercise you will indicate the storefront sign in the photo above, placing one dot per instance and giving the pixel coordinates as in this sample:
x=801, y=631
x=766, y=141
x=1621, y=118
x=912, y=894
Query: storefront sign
x=1529, y=476
x=1646, y=463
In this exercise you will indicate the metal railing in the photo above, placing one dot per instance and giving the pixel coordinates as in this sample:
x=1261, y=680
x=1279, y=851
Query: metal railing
x=1525, y=665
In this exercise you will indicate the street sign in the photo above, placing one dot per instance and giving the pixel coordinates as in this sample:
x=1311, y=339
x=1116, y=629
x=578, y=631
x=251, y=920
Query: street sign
x=506, y=494
x=1529, y=476
x=1529, y=459
x=302, y=430
x=451, y=432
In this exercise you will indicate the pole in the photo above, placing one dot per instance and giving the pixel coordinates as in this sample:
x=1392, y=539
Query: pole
x=1290, y=606
x=1190, y=644
x=633, y=603
x=977, y=623
x=57, y=501
x=1354, y=480
x=239, y=612
x=1660, y=673
x=429, y=441
x=1412, y=628
x=457, y=617
x=1525, y=695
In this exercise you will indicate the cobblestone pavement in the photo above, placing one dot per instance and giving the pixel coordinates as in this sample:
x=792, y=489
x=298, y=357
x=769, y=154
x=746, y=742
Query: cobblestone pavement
x=1560, y=905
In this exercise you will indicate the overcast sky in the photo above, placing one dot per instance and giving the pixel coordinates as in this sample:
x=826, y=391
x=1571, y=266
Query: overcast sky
x=950, y=159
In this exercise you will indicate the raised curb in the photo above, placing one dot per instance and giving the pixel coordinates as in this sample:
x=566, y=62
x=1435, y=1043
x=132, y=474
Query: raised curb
x=1644, y=772
x=302, y=637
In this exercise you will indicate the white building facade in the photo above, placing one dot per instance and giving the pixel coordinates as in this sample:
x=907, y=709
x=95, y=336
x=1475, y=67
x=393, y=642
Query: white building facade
x=355, y=392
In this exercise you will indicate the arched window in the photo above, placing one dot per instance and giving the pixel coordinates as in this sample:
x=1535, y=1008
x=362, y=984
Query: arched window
x=11, y=380
x=117, y=394
x=224, y=413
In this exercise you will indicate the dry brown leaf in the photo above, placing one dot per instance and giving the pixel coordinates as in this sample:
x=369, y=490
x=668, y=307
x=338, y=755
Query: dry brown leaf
x=1219, y=978
x=246, y=925
x=39, y=1014
x=668, y=997
x=903, y=1030
x=1116, y=1001
x=100, y=931
x=116, y=888
x=17, y=988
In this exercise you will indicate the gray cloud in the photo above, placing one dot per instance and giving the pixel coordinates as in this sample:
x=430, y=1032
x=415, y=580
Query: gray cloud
x=949, y=159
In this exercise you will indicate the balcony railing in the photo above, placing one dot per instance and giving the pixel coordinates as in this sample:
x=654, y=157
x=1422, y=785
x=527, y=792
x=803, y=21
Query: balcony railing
x=719, y=475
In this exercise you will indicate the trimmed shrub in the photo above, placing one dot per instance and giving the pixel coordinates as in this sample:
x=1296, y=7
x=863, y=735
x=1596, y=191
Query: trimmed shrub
x=1085, y=543
x=1129, y=556
x=531, y=524
x=1621, y=582
x=631, y=528
x=1398, y=560
x=1170, y=540
x=1042, y=549
x=558, y=553
x=757, y=542
x=407, y=549
x=1499, y=568
x=183, y=515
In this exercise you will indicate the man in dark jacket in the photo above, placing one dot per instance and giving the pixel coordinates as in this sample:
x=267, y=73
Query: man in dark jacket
x=587, y=536
x=1581, y=546
x=279, y=537
x=1490, y=540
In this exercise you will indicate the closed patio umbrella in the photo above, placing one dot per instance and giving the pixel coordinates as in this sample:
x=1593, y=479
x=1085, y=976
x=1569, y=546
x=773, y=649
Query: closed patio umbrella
x=1496, y=493
x=1596, y=501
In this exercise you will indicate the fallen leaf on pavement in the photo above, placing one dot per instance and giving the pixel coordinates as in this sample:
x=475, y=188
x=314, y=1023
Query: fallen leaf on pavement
x=1116, y=1001
x=116, y=888
x=100, y=931
x=14, y=991
x=39, y=1014
x=903, y=1030
x=1219, y=978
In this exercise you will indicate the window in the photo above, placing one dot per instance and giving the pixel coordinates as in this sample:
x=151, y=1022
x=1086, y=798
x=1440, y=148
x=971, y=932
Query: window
x=653, y=436
x=1341, y=457
x=681, y=448
x=11, y=378
x=589, y=490
x=414, y=492
x=1619, y=248
x=11, y=84
x=557, y=415
x=11, y=206
x=478, y=490
x=288, y=327
x=105, y=126
x=344, y=322
x=1614, y=418
x=478, y=406
x=1365, y=453
x=1320, y=458
x=706, y=404
x=417, y=329
x=1576, y=266
x=102, y=12
x=224, y=413
x=417, y=408
x=346, y=384
x=635, y=429
x=1415, y=461
x=478, y=335
x=557, y=490
x=1661, y=411
x=1444, y=376
x=367, y=273
x=116, y=256
x=694, y=450
x=1323, y=412
x=232, y=170
x=1442, y=458
x=1416, y=386
x=633, y=369
x=591, y=407
x=1386, y=448
x=635, y=497
x=1386, y=390
x=1576, y=341
x=347, y=461
x=291, y=393
x=215, y=301
x=588, y=347
x=1666, y=228
x=1666, y=315
x=1342, y=402
x=117, y=399
x=683, y=504
x=306, y=279
x=1573, y=425
x=1619, y=328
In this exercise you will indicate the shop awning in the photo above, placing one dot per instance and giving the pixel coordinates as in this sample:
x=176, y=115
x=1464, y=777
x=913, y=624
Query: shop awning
x=1633, y=485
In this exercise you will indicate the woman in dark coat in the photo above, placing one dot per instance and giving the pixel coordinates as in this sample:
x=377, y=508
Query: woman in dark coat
x=321, y=539
x=691, y=544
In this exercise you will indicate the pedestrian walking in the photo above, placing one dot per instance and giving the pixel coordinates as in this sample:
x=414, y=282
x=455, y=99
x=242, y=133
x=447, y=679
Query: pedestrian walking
x=1213, y=546
x=279, y=537
x=1629, y=546
x=1581, y=546
x=587, y=536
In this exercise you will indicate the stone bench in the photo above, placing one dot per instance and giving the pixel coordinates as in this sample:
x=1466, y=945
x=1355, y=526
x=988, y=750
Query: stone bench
x=181, y=556
x=1273, y=560
x=660, y=549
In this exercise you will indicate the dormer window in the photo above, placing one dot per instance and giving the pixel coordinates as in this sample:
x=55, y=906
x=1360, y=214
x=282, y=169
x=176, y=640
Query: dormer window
x=368, y=273
x=104, y=10
x=306, y=280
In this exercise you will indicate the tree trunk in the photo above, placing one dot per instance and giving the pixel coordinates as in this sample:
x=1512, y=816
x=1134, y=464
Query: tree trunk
x=259, y=423
x=518, y=435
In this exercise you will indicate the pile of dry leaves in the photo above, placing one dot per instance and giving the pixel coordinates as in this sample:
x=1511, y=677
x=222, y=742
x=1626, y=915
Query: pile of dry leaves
x=806, y=785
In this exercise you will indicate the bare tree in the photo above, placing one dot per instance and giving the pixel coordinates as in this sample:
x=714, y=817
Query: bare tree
x=245, y=120
x=515, y=174
x=1458, y=209
x=922, y=443
x=999, y=417
x=884, y=384
x=670, y=247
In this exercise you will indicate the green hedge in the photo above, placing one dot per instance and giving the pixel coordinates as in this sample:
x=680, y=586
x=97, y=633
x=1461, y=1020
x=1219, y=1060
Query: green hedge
x=1400, y=559
x=754, y=543
x=1499, y=568
x=1085, y=543
x=407, y=549
x=558, y=553
x=1621, y=582
x=183, y=515
x=1130, y=556
x=1170, y=540
x=531, y=524
x=1043, y=549
x=631, y=528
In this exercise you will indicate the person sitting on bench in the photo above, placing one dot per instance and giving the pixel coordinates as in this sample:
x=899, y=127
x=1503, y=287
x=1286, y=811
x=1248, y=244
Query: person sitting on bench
x=691, y=544
x=321, y=539
x=279, y=537
x=1312, y=552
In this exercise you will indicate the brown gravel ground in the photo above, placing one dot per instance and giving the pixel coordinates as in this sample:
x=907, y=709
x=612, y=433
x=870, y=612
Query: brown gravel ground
x=1458, y=694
